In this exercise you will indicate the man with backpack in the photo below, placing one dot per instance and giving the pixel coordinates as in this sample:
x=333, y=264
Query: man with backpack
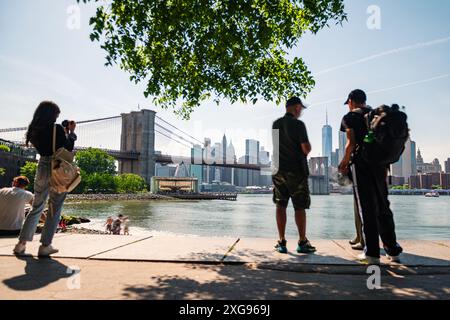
x=364, y=159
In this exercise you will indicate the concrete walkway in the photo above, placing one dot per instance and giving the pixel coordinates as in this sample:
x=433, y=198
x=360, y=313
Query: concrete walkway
x=157, y=266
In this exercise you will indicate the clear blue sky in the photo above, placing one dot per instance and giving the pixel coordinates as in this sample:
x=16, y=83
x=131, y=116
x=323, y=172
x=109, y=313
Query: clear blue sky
x=406, y=62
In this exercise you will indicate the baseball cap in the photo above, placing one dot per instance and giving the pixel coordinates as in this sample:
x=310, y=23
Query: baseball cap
x=357, y=95
x=294, y=101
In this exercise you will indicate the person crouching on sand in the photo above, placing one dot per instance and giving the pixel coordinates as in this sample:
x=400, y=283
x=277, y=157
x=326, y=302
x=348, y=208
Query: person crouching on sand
x=108, y=224
x=117, y=225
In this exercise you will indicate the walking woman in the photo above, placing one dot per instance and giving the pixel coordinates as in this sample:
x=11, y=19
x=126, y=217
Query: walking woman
x=40, y=134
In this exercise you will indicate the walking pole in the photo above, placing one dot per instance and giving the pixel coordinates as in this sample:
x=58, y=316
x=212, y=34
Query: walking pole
x=229, y=250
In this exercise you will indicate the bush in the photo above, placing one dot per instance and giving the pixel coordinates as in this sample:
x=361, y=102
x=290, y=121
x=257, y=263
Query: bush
x=100, y=183
x=5, y=148
x=29, y=171
x=2, y=172
x=130, y=183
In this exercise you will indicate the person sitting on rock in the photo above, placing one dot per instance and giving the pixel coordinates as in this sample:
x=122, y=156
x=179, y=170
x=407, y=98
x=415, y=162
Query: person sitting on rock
x=12, y=206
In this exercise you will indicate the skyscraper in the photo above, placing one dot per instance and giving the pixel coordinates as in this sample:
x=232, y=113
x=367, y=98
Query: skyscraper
x=264, y=156
x=327, y=140
x=342, y=143
x=407, y=165
x=231, y=153
x=447, y=166
x=227, y=157
x=208, y=171
x=413, y=158
x=252, y=151
x=335, y=158
x=224, y=149
x=197, y=167
x=252, y=157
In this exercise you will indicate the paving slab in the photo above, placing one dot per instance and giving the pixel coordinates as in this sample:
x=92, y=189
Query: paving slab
x=163, y=247
x=78, y=245
x=416, y=252
x=262, y=250
x=11, y=241
x=172, y=248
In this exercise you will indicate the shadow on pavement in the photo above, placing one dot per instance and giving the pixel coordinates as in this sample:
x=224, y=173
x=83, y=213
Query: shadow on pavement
x=39, y=273
x=241, y=282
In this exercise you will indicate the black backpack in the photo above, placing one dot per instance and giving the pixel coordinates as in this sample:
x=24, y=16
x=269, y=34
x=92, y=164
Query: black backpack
x=388, y=133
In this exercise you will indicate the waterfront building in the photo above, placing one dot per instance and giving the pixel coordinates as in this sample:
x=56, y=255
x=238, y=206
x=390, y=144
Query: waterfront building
x=430, y=180
x=423, y=167
x=398, y=181
x=174, y=185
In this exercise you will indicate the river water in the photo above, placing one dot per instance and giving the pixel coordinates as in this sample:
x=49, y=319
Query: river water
x=330, y=217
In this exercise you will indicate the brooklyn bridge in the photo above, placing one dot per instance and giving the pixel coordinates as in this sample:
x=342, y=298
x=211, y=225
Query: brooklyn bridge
x=137, y=134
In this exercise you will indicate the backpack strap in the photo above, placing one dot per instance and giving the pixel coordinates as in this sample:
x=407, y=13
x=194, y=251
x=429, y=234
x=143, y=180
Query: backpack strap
x=54, y=140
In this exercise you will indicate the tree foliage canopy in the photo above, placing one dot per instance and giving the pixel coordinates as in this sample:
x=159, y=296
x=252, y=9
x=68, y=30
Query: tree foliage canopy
x=187, y=51
x=93, y=161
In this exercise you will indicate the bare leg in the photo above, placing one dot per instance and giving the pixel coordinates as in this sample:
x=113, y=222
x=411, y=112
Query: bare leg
x=281, y=222
x=300, y=220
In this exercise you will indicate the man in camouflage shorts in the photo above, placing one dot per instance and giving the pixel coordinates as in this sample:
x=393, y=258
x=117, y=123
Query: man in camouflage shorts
x=291, y=148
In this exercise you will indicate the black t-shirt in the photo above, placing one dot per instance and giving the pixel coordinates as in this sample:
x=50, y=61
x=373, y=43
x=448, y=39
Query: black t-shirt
x=355, y=120
x=44, y=140
x=292, y=133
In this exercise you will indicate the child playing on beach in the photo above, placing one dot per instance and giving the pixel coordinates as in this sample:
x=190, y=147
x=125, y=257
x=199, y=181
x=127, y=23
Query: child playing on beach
x=117, y=225
x=108, y=225
x=126, y=229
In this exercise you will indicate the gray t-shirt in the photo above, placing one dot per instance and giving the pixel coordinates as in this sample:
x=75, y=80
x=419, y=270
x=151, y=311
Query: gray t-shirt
x=12, y=207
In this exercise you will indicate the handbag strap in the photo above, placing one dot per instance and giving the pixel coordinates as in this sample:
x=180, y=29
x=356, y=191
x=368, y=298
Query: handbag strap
x=54, y=139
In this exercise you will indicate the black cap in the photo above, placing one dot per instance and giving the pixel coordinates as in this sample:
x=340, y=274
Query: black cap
x=294, y=101
x=357, y=96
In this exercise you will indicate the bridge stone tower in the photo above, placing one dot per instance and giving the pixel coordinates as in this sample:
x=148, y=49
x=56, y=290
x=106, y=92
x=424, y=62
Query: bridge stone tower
x=138, y=135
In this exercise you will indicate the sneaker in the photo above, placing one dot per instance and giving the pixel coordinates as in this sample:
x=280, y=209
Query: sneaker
x=281, y=246
x=19, y=249
x=358, y=246
x=305, y=247
x=45, y=251
x=368, y=260
x=393, y=254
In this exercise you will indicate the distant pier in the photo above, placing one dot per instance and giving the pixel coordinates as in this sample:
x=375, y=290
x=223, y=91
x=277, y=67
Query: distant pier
x=204, y=196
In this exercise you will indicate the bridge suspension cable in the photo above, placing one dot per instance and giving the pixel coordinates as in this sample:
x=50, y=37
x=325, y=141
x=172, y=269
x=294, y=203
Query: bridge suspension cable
x=169, y=137
x=174, y=134
x=187, y=134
